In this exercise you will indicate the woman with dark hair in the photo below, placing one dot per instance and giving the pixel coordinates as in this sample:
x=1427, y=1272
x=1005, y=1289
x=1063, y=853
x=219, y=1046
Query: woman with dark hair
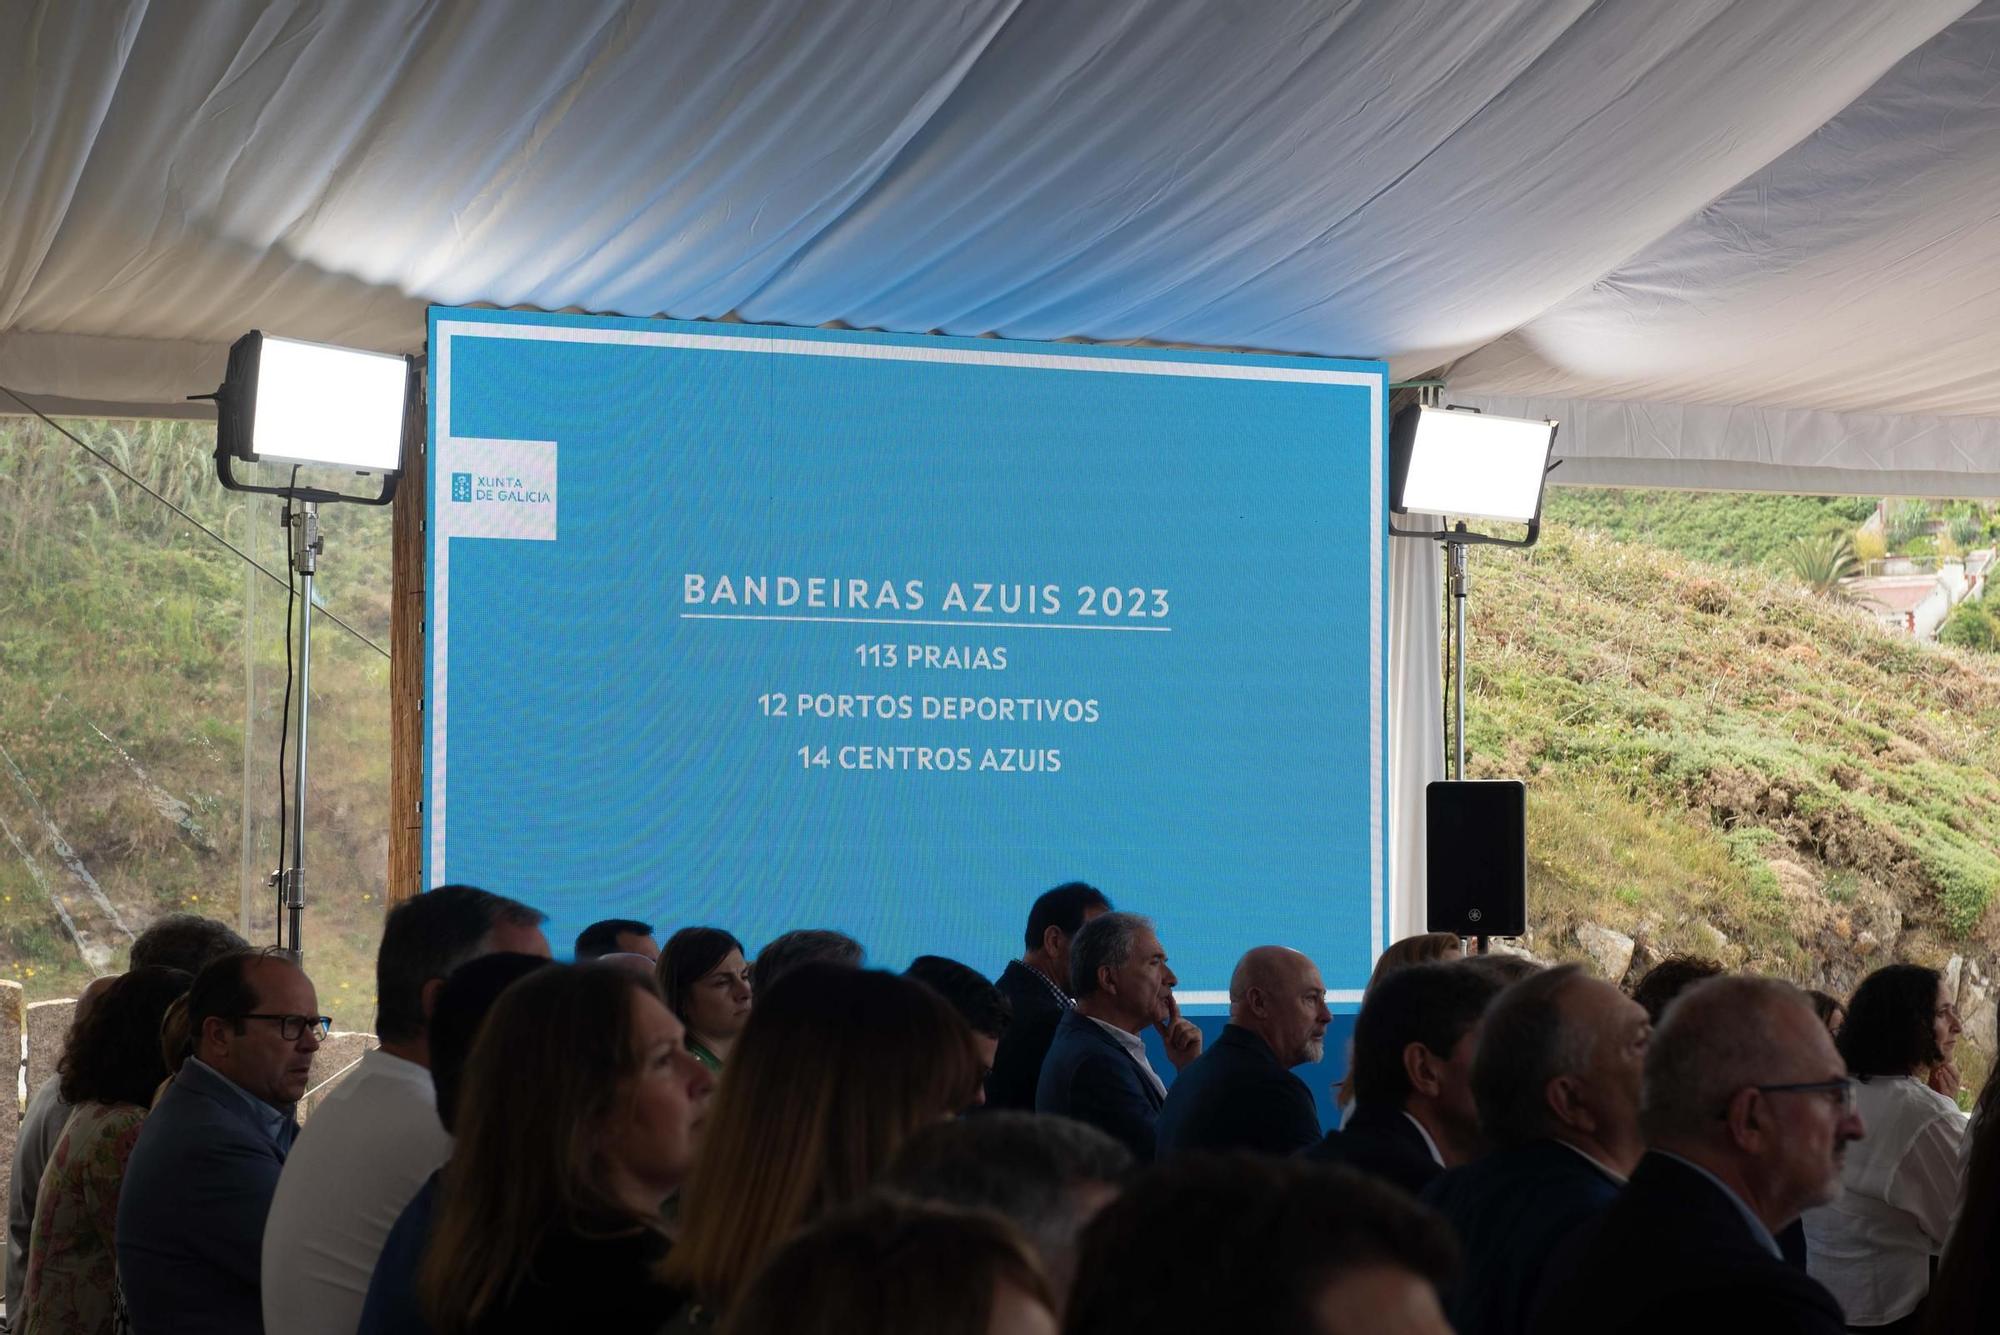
x=108, y=1073
x=1899, y=1184
x=575, y=1117
x=1965, y=1294
x=706, y=982
x=1831, y=1013
x=889, y=1266
x=836, y=1069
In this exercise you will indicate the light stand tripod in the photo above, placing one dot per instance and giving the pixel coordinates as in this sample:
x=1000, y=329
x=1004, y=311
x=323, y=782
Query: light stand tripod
x=321, y=407
x=303, y=542
x=1444, y=461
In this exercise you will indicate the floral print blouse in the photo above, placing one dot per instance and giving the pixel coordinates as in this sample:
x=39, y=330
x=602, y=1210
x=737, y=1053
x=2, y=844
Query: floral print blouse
x=72, y=1269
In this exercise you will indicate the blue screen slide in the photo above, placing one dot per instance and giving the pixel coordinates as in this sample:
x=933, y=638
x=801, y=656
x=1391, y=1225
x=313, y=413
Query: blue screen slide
x=770, y=628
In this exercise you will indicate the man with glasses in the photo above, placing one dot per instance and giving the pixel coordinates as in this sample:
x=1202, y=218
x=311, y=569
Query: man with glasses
x=192, y=1207
x=1747, y=1111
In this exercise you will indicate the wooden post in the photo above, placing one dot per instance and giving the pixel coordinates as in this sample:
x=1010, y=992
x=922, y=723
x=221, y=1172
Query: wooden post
x=406, y=661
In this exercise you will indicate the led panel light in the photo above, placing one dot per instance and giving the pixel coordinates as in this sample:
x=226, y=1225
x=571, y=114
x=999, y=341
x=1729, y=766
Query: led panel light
x=1476, y=466
x=316, y=404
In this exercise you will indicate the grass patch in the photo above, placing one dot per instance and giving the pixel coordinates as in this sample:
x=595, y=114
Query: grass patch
x=1687, y=727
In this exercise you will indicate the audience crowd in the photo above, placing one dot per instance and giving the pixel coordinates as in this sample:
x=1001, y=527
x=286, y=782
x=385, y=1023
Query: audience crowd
x=656, y=1139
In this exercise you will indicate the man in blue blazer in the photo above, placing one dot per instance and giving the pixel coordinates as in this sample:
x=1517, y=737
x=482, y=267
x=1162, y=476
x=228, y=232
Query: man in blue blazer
x=191, y=1209
x=1241, y=1094
x=1556, y=1081
x=1096, y=1070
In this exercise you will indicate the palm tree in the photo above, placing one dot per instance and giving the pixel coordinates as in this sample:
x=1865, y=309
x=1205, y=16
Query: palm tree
x=1821, y=562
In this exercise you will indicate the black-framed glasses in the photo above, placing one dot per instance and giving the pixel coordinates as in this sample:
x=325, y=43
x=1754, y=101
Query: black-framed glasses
x=1841, y=1091
x=292, y=1028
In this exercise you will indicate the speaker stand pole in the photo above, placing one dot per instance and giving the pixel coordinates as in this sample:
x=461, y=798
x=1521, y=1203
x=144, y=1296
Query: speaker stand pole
x=1455, y=586
x=1455, y=583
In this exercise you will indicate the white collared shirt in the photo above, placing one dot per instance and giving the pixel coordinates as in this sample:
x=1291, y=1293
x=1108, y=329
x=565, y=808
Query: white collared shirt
x=1135, y=1045
x=1594, y=1162
x=368, y=1148
x=1429, y=1144
x=1899, y=1189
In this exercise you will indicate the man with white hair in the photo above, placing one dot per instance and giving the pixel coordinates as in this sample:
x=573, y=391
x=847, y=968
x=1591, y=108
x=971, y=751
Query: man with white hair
x=1556, y=1078
x=1747, y=1111
x=1241, y=1094
x=1097, y=1070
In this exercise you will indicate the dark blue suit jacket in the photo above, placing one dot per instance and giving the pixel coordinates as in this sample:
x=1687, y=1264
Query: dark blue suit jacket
x=191, y=1210
x=1511, y=1211
x=391, y=1307
x=1238, y=1096
x=1089, y=1077
x=1017, y=1062
x=1381, y=1142
x=1674, y=1254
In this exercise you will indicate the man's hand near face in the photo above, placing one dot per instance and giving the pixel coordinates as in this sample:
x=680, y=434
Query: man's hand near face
x=1182, y=1037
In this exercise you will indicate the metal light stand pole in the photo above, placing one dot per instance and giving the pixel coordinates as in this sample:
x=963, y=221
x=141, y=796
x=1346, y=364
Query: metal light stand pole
x=290, y=882
x=1454, y=555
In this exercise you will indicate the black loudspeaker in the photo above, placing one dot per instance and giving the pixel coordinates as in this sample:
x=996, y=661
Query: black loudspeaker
x=1476, y=837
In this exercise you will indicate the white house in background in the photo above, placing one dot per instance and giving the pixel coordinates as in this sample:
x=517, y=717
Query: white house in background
x=1978, y=570
x=1914, y=605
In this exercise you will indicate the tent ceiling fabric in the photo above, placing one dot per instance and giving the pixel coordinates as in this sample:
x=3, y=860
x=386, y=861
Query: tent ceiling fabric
x=1411, y=179
x=1838, y=313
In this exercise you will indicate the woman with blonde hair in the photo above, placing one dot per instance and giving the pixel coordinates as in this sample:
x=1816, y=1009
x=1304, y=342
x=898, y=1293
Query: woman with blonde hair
x=1425, y=948
x=835, y=1070
x=576, y=1117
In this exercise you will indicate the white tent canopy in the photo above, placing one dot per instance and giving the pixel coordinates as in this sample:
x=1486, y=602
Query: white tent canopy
x=1732, y=243
x=1762, y=230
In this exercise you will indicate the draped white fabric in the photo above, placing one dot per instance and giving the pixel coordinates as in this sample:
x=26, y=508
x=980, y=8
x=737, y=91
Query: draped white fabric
x=1403, y=178
x=1830, y=324
x=1416, y=722
x=1615, y=443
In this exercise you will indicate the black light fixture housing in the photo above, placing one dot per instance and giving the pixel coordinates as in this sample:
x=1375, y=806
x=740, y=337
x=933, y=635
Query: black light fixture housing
x=1470, y=465
x=312, y=404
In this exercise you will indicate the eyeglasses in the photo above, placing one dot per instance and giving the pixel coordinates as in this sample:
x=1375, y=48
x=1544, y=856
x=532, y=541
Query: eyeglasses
x=1841, y=1092
x=291, y=1028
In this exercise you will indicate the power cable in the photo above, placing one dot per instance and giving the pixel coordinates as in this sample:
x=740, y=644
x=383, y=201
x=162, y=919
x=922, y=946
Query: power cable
x=285, y=710
x=217, y=538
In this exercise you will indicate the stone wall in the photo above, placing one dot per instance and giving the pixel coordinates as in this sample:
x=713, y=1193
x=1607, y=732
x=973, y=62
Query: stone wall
x=35, y=1035
x=13, y=1019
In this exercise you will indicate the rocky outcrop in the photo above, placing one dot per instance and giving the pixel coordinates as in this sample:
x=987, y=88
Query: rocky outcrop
x=1610, y=951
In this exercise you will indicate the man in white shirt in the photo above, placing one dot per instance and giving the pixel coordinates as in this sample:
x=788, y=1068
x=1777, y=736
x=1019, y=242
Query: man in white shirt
x=376, y=1138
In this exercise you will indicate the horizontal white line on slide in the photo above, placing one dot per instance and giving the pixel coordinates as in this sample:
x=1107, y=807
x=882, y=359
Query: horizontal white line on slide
x=907, y=621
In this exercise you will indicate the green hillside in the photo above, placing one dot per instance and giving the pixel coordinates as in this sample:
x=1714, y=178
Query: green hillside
x=1721, y=763
x=1717, y=761
x=141, y=676
x=1736, y=528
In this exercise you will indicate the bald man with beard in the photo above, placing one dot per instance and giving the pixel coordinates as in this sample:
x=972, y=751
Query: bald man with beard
x=1241, y=1093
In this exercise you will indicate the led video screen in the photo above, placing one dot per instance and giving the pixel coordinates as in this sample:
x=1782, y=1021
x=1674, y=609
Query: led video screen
x=768, y=628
